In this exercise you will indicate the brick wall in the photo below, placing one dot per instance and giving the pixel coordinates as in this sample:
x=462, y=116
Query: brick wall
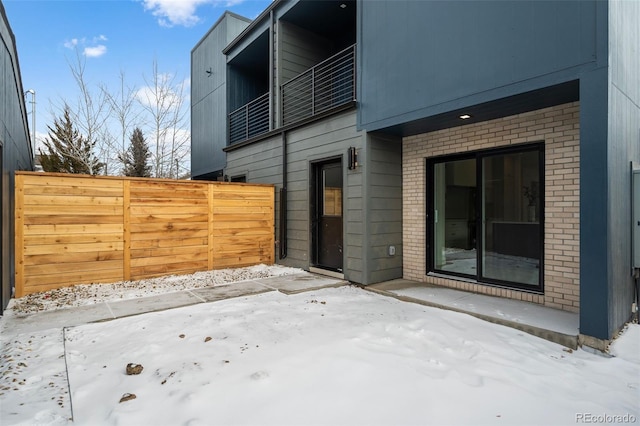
x=559, y=128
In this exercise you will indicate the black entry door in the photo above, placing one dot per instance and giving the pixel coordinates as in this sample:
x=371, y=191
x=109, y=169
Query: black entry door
x=327, y=215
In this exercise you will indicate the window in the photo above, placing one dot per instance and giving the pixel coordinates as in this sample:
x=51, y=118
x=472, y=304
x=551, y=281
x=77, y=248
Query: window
x=485, y=216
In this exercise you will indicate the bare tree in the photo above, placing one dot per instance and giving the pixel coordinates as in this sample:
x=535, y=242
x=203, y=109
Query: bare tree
x=163, y=99
x=122, y=108
x=161, y=110
x=91, y=114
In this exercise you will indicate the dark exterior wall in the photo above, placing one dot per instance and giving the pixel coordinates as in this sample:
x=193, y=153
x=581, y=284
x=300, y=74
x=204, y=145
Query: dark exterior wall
x=329, y=138
x=623, y=147
x=383, y=212
x=610, y=140
x=299, y=50
x=16, y=153
x=421, y=58
x=209, y=95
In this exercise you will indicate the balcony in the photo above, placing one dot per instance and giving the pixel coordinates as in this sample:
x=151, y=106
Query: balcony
x=327, y=85
x=249, y=120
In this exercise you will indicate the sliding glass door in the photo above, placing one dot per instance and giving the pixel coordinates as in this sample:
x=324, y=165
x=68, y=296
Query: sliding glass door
x=484, y=216
x=455, y=216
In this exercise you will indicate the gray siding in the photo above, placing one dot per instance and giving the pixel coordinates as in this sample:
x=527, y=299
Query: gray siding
x=610, y=140
x=384, y=211
x=623, y=147
x=322, y=140
x=209, y=95
x=299, y=50
x=330, y=138
x=15, y=149
x=420, y=58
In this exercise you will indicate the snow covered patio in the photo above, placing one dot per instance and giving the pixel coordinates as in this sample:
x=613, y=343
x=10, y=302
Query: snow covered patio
x=551, y=324
x=309, y=353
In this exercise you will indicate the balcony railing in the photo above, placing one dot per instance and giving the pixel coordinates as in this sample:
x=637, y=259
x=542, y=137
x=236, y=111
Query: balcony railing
x=327, y=85
x=249, y=120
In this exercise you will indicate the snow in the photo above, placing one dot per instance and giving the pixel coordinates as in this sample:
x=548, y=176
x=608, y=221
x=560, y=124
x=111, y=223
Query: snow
x=331, y=356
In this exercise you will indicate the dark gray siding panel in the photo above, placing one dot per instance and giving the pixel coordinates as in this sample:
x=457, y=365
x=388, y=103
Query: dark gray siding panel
x=594, y=201
x=419, y=58
x=624, y=147
x=209, y=95
x=384, y=195
x=330, y=138
x=321, y=140
x=259, y=163
x=15, y=149
x=610, y=141
x=299, y=50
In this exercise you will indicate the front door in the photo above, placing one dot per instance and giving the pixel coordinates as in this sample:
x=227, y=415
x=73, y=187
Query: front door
x=327, y=215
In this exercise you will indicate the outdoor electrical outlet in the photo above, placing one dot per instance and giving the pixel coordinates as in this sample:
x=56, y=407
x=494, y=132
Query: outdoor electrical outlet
x=392, y=250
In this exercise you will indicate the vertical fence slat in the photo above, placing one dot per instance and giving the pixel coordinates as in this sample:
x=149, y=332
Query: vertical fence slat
x=126, y=231
x=19, y=236
x=73, y=229
x=210, y=227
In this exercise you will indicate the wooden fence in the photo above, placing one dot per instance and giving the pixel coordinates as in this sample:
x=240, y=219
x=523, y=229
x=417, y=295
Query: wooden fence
x=73, y=229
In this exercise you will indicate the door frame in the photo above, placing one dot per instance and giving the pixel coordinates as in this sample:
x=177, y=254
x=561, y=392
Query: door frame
x=478, y=155
x=314, y=168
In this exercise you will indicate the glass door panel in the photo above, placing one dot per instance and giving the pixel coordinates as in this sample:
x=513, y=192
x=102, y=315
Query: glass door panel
x=510, y=217
x=454, y=227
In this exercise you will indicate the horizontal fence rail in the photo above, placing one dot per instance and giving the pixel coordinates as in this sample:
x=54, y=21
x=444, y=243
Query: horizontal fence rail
x=73, y=229
x=327, y=85
x=249, y=120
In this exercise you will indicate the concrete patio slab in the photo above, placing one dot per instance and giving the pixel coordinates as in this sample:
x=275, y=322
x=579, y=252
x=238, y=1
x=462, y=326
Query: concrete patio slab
x=125, y=308
x=551, y=324
x=27, y=323
x=227, y=291
x=297, y=283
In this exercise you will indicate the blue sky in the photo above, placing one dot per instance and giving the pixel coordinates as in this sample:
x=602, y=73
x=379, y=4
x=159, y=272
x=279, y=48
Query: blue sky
x=113, y=36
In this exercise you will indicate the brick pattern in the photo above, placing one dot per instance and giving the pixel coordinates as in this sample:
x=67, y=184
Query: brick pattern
x=559, y=128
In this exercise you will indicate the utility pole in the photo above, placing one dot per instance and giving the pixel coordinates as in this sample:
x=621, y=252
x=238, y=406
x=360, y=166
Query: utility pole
x=33, y=118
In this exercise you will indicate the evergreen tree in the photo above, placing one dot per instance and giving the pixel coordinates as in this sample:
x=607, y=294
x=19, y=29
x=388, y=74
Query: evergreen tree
x=136, y=156
x=67, y=150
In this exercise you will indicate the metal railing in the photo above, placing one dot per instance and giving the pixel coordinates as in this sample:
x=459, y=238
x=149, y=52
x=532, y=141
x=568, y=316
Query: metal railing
x=327, y=85
x=249, y=120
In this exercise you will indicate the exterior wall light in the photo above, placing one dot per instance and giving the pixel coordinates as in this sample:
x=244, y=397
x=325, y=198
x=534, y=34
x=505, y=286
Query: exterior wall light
x=465, y=116
x=353, y=158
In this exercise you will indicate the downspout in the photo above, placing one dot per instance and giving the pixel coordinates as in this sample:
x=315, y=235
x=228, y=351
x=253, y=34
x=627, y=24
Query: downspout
x=272, y=83
x=283, y=200
x=272, y=92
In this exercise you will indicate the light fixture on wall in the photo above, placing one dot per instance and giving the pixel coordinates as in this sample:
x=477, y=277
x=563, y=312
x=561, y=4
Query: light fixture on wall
x=465, y=116
x=353, y=158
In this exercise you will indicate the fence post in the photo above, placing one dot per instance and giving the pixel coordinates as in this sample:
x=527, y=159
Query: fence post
x=19, y=235
x=210, y=227
x=126, y=221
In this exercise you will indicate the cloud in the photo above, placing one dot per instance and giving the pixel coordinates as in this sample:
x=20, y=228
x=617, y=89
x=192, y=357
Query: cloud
x=93, y=48
x=95, y=51
x=70, y=44
x=180, y=12
x=165, y=95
